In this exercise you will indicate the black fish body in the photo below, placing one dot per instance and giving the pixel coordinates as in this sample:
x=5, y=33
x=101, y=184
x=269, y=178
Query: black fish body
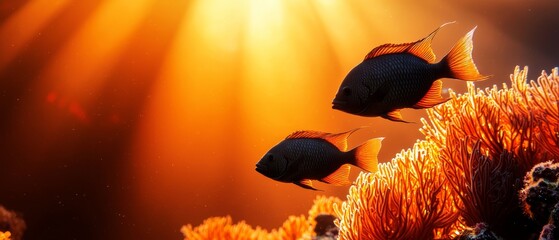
x=309, y=155
x=311, y=158
x=396, y=76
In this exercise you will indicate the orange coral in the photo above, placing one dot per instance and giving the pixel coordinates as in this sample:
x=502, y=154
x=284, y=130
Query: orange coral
x=406, y=199
x=295, y=227
x=496, y=138
x=467, y=170
x=5, y=235
x=222, y=228
x=323, y=205
x=523, y=119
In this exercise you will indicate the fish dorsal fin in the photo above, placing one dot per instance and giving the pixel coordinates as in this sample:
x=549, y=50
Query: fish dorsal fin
x=337, y=139
x=307, y=134
x=432, y=97
x=340, y=139
x=339, y=177
x=305, y=183
x=388, y=48
x=421, y=48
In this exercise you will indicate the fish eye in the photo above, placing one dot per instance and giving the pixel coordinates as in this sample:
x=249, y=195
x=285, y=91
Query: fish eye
x=346, y=91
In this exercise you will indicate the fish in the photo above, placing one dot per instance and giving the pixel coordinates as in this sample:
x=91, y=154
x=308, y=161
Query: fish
x=397, y=76
x=304, y=156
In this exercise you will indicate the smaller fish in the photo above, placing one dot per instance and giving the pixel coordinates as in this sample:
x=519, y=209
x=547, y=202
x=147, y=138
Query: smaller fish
x=311, y=155
x=397, y=76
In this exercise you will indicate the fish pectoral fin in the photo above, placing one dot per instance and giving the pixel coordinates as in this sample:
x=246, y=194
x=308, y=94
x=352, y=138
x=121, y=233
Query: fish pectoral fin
x=394, y=115
x=340, y=177
x=306, y=183
x=432, y=97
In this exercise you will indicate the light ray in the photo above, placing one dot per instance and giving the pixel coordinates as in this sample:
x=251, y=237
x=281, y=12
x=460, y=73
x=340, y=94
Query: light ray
x=193, y=98
x=20, y=28
x=79, y=69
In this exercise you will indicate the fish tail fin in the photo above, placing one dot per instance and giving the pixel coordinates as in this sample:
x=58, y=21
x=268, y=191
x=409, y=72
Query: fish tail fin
x=460, y=62
x=366, y=155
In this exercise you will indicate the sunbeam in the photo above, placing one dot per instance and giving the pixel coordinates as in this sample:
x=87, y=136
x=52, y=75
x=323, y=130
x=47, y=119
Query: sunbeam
x=80, y=67
x=22, y=26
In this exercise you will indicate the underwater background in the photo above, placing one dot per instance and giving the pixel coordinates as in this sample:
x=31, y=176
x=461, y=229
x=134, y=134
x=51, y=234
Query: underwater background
x=129, y=119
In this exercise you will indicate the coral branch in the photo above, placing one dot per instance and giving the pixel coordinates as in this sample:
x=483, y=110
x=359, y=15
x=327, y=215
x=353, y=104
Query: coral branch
x=468, y=170
x=295, y=227
x=406, y=199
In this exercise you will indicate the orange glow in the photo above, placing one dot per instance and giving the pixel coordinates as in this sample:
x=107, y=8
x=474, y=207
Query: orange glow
x=90, y=54
x=73, y=107
x=154, y=113
x=20, y=28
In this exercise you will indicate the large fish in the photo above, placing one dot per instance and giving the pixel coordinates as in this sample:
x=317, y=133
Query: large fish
x=396, y=76
x=310, y=155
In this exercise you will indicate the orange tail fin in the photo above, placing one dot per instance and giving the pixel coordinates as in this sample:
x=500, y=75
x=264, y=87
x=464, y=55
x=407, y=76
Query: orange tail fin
x=460, y=61
x=366, y=155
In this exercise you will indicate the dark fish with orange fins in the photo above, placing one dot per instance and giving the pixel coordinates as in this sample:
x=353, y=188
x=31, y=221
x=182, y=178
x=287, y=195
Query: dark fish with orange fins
x=311, y=155
x=396, y=76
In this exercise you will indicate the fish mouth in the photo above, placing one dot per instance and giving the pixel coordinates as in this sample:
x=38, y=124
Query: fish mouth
x=260, y=168
x=338, y=104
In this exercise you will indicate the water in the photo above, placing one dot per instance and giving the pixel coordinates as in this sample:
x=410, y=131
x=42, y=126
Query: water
x=128, y=119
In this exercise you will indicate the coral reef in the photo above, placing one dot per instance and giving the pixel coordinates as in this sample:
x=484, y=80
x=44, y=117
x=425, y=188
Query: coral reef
x=487, y=188
x=467, y=171
x=295, y=227
x=406, y=199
